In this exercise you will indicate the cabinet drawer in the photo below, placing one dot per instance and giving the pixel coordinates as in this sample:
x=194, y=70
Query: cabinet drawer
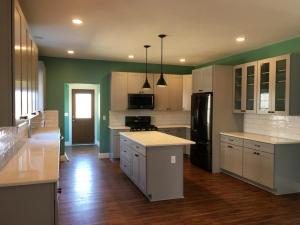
x=260, y=146
x=232, y=140
x=139, y=148
x=125, y=153
x=125, y=166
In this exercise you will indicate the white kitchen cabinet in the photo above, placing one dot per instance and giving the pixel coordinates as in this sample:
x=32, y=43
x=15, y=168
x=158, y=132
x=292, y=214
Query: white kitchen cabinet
x=258, y=167
x=135, y=82
x=270, y=163
x=232, y=158
x=115, y=143
x=186, y=92
x=203, y=79
x=278, y=85
x=174, y=92
x=244, y=88
x=169, y=97
x=118, y=91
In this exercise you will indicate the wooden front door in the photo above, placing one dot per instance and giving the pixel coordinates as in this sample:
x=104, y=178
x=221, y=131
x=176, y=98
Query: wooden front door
x=83, y=117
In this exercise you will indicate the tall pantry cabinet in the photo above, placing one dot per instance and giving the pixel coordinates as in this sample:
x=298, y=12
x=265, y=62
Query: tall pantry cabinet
x=19, y=79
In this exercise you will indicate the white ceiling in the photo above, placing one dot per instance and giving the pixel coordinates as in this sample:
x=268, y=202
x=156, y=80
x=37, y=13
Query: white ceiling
x=198, y=30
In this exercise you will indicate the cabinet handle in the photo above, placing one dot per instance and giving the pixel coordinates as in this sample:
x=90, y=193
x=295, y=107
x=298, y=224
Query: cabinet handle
x=125, y=140
x=242, y=110
x=230, y=139
x=124, y=151
x=136, y=155
x=271, y=111
x=257, y=153
x=200, y=90
x=59, y=190
x=137, y=146
x=23, y=117
x=229, y=146
x=257, y=146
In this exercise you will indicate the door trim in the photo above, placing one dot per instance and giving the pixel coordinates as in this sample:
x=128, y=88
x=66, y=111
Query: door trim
x=96, y=89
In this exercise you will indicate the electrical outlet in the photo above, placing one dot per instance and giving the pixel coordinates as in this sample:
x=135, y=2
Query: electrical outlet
x=103, y=117
x=173, y=159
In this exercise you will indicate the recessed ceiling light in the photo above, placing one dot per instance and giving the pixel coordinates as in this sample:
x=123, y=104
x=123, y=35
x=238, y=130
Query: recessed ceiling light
x=240, y=39
x=70, y=52
x=131, y=56
x=77, y=21
x=182, y=60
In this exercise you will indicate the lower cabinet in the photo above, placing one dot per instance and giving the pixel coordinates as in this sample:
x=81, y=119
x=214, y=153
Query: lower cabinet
x=274, y=167
x=133, y=162
x=258, y=167
x=115, y=143
x=232, y=158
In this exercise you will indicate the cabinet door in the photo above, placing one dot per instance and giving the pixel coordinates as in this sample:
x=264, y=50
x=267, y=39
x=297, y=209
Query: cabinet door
x=24, y=37
x=250, y=87
x=236, y=159
x=174, y=83
x=224, y=156
x=161, y=97
x=251, y=166
x=186, y=92
x=238, y=90
x=264, y=86
x=280, y=99
x=135, y=83
x=29, y=72
x=18, y=65
x=266, y=169
x=135, y=167
x=119, y=97
x=202, y=79
x=142, y=174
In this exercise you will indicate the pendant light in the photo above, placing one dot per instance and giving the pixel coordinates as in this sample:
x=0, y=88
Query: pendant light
x=146, y=84
x=161, y=81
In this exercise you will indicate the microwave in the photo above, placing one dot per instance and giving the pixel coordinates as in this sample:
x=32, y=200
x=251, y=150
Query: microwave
x=140, y=101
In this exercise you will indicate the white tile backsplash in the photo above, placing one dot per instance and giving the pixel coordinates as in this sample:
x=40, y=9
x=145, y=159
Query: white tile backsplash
x=278, y=126
x=158, y=117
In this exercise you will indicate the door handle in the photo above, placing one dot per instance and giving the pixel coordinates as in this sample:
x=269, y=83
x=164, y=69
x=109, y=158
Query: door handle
x=73, y=120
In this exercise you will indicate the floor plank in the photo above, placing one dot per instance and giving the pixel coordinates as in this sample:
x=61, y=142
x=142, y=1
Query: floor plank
x=96, y=192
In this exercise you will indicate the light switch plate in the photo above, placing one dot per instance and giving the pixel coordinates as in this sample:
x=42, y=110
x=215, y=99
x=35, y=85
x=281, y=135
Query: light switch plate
x=103, y=117
x=173, y=159
x=66, y=114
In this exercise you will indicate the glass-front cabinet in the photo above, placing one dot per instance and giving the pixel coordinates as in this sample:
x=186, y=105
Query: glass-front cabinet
x=245, y=79
x=273, y=85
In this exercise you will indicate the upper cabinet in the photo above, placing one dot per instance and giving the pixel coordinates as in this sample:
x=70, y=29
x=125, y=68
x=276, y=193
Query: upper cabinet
x=269, y=86
x=186, y=92
x=278, y=87
x=25, y=64
x=165, y=98
x=202, y=79
x=118, y=92
x=244, y=88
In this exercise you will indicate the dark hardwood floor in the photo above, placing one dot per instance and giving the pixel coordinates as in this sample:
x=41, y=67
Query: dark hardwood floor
x=96, y=192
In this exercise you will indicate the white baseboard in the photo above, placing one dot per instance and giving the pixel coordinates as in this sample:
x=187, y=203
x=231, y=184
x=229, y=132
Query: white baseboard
x=64, y=158
x=103, y=155
x=68, y=143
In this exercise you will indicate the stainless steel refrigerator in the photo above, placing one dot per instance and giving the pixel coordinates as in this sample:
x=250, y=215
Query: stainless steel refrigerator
x=201, y=130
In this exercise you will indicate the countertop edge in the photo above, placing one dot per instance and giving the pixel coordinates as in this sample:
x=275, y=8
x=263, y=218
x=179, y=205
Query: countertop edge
x=288, y=141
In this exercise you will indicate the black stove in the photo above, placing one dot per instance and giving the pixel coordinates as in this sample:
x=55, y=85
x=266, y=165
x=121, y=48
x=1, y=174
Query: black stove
x=139, y=123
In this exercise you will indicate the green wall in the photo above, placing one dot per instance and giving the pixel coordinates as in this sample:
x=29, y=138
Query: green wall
x=281, y=48
x=61, y=71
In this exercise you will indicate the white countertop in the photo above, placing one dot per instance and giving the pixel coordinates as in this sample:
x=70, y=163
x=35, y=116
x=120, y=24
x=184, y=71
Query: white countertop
x=155, y=139
x=158, y=126
x=37, y=161
x=261, y=138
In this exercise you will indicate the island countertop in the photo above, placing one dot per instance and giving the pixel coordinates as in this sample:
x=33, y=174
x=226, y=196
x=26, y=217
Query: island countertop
x=155, y=138
x=37, y=161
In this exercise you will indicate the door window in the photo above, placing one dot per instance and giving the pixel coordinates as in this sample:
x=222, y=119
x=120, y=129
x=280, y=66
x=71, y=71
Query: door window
x=83, y=104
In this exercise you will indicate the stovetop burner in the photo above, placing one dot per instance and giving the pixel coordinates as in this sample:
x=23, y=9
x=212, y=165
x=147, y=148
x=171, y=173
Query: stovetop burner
x=139, y=123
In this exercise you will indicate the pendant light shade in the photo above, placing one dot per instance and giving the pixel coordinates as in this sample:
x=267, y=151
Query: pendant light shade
x=146, y=83
x=161, y=81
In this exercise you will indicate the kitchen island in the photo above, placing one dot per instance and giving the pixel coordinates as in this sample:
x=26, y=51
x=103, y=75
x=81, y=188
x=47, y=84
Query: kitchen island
x=154, y=162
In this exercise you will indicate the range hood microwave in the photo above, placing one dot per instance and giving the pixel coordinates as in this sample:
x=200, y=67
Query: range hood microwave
x=140, y=101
